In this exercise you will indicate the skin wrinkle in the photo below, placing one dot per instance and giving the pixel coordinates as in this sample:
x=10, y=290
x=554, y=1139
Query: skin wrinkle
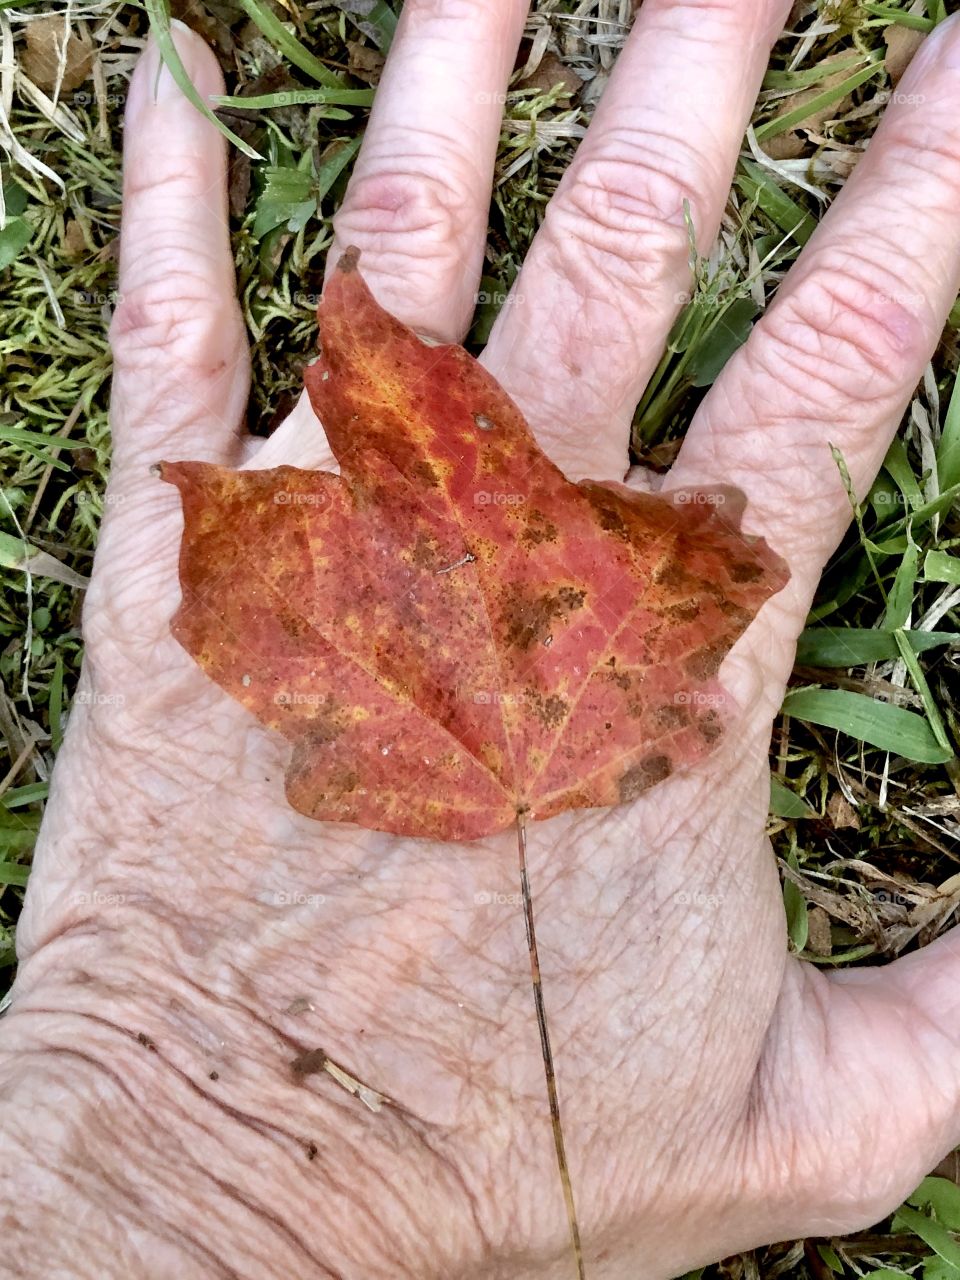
x=874, y=332
x=124, y=1191
x=249, y=1122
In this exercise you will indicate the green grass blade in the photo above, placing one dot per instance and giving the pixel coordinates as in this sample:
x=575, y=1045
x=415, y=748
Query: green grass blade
x=298, y=98
x=790, y=119
x=331, y=168
x=759, y=185
x=923, y=689
x=13, y=873
x=374, y=18
x=900, y=599
x=288, y=44
x=878, y=724
x=858, y=646
x=29, y=793
x=17, y=838
x=159, y=14
x=940, y=567
x=55, y=705
x=841, y=957
x=15, y=236
x=897, y=16
x=810, y=76
x=948, y=450
x=897, y=466
x=785, y=803
x=932, y=1233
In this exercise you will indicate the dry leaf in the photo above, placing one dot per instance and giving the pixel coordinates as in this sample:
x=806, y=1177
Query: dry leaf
x=450, y=633
x=41, y=58
x=902, y=44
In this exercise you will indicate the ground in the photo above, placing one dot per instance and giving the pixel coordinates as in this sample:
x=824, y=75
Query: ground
x=867, y=835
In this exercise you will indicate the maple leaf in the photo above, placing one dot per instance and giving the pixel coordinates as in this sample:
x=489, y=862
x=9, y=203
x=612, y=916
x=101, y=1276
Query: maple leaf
x=450, y=633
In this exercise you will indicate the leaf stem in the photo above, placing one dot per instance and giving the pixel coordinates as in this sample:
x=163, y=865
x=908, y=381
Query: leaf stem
x=546, y=1051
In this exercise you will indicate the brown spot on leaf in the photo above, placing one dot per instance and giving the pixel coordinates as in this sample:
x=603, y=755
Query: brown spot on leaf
x=528, y=619
x=640, y=776
x=738, y=616
x=684, y=611
x=550, y=711
x=613, y=522
x=620, y=678
x=705, y=662
x=671, y=715
x=710, y=727
x=671, y=575
x=424, y=553
x=422, y=470
x=539, y=529
x=746, y=571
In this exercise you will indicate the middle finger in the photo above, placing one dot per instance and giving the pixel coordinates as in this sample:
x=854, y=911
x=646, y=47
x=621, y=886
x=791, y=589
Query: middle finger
x=605, y=277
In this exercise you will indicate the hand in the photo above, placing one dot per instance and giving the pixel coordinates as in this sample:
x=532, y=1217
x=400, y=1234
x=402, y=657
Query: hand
x=187, y=937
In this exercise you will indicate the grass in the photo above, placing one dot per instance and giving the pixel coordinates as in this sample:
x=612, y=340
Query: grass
x=865, y=807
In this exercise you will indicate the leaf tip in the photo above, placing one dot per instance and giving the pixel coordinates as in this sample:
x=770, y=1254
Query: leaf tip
x=348, y=260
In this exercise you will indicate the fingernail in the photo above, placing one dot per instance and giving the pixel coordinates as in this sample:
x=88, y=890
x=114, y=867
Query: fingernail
x=191, y=50
x=152, y=83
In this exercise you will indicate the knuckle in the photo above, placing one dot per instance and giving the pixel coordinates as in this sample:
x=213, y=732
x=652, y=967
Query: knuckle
x=408, y=206
x=415, y=227
x=847, y=332
x=171, y=317
x=626, y=207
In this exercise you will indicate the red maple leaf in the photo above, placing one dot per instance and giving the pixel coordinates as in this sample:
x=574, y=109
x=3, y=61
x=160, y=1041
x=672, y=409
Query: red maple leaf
x=450, y=633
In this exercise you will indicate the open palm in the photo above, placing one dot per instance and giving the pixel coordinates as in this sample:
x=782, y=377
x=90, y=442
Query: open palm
x=193, y=950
